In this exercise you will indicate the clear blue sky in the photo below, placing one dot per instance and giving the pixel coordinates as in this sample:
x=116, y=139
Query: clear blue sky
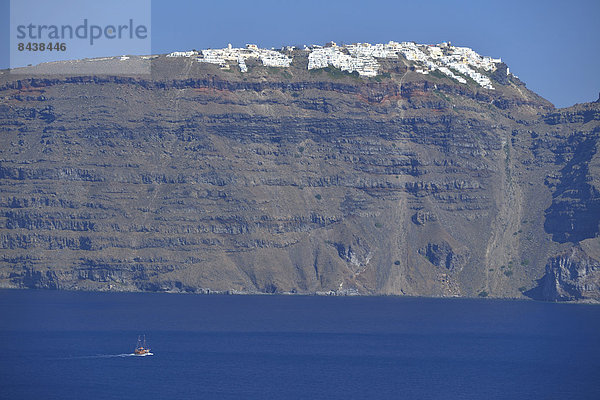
x=553, y=46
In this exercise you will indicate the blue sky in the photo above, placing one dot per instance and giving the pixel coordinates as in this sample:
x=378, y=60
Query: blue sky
x=553, y=46
x=96, y=15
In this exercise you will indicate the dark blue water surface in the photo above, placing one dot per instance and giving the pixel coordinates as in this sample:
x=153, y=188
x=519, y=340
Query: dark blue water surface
x=75, y=345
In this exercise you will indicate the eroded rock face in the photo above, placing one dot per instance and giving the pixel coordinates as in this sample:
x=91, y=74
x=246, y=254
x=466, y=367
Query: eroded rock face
x=574, y=214
x=33, y=279
x=442, y=255
x=423, y=217
x=195, y=179
x=571, y=276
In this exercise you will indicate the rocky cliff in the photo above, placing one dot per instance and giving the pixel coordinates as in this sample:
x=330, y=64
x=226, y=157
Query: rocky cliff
x=199, y=179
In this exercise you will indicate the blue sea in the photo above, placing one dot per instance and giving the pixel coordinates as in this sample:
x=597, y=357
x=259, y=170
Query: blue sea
x=78, y=345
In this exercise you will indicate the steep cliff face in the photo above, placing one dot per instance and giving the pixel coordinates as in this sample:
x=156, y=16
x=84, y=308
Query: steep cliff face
x=571, y=276
x=197, y=179
x=574, y=214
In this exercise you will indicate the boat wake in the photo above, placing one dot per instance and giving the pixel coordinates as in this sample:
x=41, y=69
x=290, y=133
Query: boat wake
x=122, y=355
x=108, y=356
x=142, y=355
x=141, y=350
x=113, y=355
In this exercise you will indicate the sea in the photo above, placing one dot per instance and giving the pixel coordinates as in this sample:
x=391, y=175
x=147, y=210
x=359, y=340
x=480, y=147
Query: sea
x=79, y=345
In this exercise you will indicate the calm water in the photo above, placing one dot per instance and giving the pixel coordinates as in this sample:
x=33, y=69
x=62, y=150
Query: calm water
x=70, y=345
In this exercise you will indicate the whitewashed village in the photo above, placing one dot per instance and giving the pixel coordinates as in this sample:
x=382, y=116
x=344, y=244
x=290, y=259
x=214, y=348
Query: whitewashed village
x=455, y=62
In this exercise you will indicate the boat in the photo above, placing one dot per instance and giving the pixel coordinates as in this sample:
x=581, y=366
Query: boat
x=141, y=349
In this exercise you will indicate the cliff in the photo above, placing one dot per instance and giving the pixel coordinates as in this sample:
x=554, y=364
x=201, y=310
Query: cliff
x=198, y=178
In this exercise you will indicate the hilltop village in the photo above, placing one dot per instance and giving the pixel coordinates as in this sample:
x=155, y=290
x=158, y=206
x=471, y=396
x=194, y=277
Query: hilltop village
x=455, y=62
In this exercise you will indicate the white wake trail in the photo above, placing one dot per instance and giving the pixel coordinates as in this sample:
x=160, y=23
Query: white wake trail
x=108, y=356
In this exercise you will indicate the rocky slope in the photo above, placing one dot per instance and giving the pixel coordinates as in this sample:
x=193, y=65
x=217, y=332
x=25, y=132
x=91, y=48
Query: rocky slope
x=275, y=180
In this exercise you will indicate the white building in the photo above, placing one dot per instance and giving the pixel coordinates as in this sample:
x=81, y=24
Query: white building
x=455, y=62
